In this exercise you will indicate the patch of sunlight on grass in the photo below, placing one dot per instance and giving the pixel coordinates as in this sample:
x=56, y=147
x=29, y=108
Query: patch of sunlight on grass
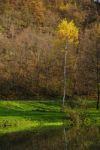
x=8, y=126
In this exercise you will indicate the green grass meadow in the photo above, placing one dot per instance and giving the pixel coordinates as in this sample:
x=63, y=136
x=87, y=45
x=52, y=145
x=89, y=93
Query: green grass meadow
x=20, y=115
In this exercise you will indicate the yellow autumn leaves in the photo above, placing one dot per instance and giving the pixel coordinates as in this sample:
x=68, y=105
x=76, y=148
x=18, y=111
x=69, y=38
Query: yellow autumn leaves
x=67, y=31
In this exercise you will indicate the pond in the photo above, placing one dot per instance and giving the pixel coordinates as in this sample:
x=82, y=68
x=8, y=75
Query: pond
x=53, y=139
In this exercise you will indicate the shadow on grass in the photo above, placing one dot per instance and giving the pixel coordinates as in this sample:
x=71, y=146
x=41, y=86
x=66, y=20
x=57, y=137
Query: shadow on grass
x=32, y=115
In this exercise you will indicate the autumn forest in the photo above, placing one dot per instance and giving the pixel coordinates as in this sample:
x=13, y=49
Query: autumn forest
x=34, y=35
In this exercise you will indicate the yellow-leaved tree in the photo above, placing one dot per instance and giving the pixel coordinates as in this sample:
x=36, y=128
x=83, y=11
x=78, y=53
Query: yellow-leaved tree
x=67, y=33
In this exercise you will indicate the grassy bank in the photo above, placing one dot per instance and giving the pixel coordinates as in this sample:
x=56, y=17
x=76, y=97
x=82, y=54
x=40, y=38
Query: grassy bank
x=19, y=116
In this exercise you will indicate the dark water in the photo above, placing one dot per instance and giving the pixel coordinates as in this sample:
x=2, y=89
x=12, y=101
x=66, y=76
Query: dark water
x=53, y=139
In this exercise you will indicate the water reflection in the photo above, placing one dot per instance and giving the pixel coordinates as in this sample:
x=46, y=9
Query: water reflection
x=53, y=139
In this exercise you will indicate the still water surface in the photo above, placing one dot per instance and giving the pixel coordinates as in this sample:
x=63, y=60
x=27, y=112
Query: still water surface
x=53, y=139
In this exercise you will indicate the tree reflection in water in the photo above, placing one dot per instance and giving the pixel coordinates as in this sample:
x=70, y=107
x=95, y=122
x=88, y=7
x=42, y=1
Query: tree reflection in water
x=53, y=139
x=65, y=139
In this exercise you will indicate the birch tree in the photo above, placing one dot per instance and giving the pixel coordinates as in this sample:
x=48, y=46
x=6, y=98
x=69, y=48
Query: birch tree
x=68, y=34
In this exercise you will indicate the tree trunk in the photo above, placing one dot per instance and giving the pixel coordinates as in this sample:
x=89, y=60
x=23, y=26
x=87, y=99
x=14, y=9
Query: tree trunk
x=98, y=96
x=65, y=62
